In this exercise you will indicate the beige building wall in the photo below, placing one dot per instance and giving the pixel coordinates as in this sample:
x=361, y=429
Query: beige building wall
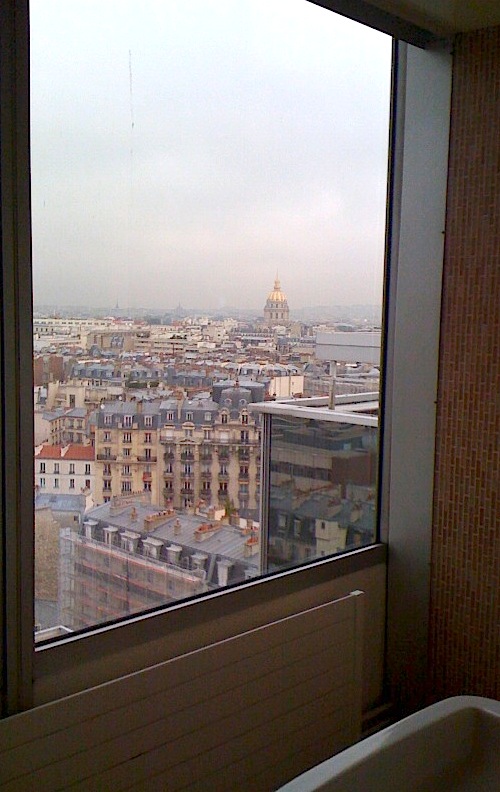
x=46, y=555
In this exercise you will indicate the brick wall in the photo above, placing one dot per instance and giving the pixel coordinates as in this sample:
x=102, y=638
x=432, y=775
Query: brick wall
x=465, y=584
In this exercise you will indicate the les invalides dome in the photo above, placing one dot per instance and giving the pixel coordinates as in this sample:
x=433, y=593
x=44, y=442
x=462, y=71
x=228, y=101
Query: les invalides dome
x=276, y=311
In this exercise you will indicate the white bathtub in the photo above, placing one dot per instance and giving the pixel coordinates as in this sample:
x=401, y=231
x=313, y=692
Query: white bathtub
x=453, y=745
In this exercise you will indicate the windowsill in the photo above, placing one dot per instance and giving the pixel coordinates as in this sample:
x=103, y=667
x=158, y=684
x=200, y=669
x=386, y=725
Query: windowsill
x=198, y=621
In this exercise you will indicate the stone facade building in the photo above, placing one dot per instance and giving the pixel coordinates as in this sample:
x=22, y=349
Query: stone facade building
x=182, y=451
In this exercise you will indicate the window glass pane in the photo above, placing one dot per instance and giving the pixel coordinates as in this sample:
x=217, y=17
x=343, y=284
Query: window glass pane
x=322, y=497
x=208, y=201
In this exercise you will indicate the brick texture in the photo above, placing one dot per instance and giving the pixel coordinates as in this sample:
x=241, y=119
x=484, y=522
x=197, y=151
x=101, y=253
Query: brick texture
x=465, y=580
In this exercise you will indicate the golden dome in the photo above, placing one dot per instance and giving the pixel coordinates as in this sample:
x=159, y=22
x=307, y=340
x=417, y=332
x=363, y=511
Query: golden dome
x=276, y=295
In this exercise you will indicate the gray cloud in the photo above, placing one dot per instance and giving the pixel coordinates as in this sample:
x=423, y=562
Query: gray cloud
x=252, y=136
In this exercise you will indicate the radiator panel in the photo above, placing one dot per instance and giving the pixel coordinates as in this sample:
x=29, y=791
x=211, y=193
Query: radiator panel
x=248, y=712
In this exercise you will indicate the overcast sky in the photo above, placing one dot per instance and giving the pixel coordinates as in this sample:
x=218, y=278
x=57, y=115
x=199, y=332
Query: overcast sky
x=183, y=151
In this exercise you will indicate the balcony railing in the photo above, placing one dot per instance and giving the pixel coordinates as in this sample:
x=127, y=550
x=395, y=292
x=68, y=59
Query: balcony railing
x=144, y=458
x=106, y=457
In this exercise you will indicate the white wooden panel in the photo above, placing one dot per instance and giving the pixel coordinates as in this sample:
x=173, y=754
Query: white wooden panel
x=247, y=712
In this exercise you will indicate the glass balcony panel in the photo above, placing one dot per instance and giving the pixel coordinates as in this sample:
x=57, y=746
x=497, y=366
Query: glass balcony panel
x=322, y=488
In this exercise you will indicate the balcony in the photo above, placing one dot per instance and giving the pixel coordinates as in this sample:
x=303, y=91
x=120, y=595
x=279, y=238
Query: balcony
x=106, y=457
x=169, y=455
x=321, y=488
x=187, y=456
x=144, y=458
x=243, y=476
x=187, y=491
x=223, y=476
x=206, y=475
x=168, y=475
x=223, y=453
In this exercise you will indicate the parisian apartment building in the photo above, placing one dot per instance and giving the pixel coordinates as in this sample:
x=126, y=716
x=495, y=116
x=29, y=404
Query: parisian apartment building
x=64, y=470
x=184, y=452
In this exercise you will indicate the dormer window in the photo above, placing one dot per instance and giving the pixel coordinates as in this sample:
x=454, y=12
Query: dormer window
x=127, y=420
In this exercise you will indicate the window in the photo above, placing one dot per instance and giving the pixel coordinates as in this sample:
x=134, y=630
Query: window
x=87, y=469
x=172, y=419
x=56, y=483
x=223, y=418
x=127, y=420
x=126, y=452
x=148, y=420
x=56, y=467
x=71, y=467
x=126, y=470
x=147, y=437
x=42, y=483
x=147, y=453
x=72, y=483
x=189, y=416
x=108, y=420
x=87, y=484
x=107, y=437
x=127, y=437
x=42, y=467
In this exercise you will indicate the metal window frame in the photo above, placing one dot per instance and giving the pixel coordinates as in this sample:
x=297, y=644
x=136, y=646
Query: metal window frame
x=416, y=149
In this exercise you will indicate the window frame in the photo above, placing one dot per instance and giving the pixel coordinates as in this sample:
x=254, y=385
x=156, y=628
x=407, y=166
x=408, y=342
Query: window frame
x=28, y=673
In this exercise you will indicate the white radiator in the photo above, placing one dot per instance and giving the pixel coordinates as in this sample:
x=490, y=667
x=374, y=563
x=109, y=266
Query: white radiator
x=247, y=713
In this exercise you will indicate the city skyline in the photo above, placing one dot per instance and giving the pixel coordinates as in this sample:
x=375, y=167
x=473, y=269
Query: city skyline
x=203, y=146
